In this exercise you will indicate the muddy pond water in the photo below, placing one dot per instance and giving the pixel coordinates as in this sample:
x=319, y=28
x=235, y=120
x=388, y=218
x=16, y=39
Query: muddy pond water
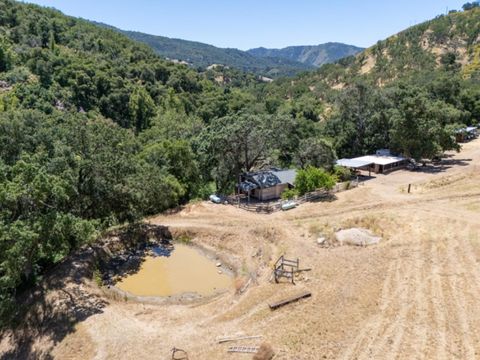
x=183, y=270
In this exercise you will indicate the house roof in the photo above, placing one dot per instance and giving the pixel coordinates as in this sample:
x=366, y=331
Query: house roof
x=247, y=186
x=353, y=163
x=362, y=161
x=380, y=160
x=271, y=178
x=468, y=129
x=286, y=176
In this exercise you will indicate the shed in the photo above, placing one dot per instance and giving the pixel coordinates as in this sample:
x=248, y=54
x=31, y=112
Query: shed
x=379, y=163
x=268, y=184
x=356, y=164
x=466, y=134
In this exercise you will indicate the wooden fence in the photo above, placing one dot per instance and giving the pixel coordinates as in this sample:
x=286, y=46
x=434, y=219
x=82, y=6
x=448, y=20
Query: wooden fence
x=273, y=206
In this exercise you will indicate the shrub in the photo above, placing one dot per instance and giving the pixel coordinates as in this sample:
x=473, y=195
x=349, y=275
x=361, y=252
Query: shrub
x=312, y=179
x=97, y=277
x=343, y=173
x=289, y=194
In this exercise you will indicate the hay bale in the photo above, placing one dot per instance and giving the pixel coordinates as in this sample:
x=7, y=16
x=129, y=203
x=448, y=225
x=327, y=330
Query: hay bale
x=357, y=237
x=265, y=352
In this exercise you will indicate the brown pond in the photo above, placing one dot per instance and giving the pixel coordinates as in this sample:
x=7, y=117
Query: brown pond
x=185, y=270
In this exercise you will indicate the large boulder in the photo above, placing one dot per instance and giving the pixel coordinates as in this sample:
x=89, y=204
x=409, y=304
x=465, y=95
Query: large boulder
x=357, y=237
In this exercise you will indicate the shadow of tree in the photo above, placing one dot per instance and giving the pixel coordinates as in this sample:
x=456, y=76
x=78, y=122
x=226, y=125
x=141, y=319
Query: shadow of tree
x=442, y=166
x=50, y=311
x=137, y=242
x=325, y=198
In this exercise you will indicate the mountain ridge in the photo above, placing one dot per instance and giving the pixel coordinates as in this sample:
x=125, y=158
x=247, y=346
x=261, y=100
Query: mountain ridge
x=315, y=55
x=448, y=41
x=202, y=55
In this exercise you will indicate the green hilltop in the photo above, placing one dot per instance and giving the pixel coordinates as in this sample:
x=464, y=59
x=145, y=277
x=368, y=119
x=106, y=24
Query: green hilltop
x=272, y=63
x=202, y=56
x=450, y=41
x=314, y=55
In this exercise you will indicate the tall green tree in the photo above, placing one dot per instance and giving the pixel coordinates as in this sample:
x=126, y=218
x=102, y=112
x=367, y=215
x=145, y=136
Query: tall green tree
x=417, y=131
x=239, y=143
x=316, y=152
x=142, y=108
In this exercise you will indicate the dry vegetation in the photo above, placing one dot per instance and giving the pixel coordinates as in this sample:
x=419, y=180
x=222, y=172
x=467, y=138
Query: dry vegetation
x=413, y=295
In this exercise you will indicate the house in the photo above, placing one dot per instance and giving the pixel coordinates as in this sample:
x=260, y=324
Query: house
x=268, y=184
x=380, y=163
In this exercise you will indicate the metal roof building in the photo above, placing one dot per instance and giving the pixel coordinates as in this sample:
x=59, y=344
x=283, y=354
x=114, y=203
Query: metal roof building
x=353, y=163
x=380, y=163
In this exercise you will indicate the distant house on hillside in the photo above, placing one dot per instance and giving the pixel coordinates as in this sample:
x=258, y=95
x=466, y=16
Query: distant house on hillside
x=268, y=184
x=466, y=134
x=382, y=162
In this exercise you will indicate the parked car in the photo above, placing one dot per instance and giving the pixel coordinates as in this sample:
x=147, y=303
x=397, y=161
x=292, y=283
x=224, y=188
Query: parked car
x=215, y=199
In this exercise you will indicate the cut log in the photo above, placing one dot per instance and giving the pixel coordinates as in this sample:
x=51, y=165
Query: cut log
x=289, y=300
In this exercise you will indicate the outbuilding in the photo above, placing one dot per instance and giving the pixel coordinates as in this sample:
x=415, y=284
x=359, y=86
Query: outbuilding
x=380, y=163
x=268, y=184
x=466, y=134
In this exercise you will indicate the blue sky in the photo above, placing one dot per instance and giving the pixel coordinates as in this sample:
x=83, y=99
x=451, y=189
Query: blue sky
x=246, y=24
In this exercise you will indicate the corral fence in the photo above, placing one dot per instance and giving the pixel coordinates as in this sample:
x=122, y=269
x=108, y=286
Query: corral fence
x=264, y=207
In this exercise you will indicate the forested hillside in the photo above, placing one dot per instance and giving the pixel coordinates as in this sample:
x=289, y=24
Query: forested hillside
x=408, y=92
x=449, y=41
x=315, y=55
x=200, y=55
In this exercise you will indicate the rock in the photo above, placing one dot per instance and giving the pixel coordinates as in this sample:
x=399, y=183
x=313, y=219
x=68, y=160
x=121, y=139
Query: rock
x=321, y=240
x=219, y=264
x=357, y=237
x=220, y=271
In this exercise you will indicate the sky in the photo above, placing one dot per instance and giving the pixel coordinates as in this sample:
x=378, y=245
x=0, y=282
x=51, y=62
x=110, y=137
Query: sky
x=246, y=24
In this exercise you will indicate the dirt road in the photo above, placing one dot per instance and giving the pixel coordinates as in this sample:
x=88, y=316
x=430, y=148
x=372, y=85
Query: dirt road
x=415, y=295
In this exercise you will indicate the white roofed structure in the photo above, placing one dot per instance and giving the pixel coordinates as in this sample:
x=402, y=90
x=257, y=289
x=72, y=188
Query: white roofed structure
x=376, y=163
x=354, y=163
x=380, y=160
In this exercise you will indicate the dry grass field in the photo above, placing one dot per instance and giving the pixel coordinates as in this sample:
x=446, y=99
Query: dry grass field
x=415, y=295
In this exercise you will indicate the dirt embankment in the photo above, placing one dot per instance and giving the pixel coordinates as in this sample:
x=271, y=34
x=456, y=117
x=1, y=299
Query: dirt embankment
x=413, y=295
x=70, y=292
